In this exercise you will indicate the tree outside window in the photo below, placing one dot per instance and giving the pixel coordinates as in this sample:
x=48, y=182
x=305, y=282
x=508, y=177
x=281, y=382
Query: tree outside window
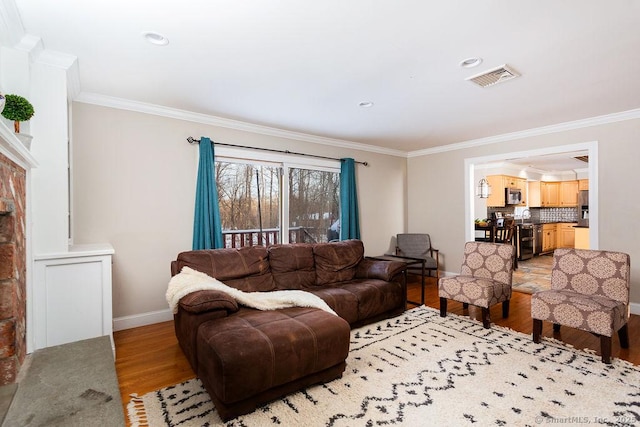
x=251, y=200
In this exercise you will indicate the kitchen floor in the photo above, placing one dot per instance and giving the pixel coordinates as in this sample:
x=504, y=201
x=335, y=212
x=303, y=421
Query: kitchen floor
x=533, y=275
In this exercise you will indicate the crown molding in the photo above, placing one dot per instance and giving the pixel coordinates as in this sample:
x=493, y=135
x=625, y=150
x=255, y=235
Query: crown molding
x=174, y=113
x=56, y=59
x=158, y=110
x=544, y=130
x=11, y=29
x=63, y=61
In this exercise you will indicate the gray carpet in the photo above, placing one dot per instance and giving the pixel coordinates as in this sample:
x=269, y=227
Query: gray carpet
x=69, y=385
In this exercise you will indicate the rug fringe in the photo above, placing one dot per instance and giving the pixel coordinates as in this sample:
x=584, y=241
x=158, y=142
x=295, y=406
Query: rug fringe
x=137, y=412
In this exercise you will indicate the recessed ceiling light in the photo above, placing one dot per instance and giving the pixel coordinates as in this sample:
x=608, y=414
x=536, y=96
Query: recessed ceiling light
x=365, y=104
x=471, y=62
x=155, y=38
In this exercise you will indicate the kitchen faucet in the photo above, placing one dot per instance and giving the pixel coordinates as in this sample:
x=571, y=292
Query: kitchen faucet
x=522, y=215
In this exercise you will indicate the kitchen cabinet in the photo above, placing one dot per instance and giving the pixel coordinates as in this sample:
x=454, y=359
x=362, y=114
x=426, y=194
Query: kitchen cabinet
x=550, y=194
x=549, y=237
x=568, y=193
x=566, y=235
x=514, y=182
x=583, y=184
x=533, y=194
x=582, y=238
x=553, y=194
x=496, y=198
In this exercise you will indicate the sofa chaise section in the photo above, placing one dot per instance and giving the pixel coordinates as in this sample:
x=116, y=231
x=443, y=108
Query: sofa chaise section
x=247, y=357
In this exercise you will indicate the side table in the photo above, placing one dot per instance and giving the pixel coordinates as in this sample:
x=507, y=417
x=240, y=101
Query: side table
x=409, y=261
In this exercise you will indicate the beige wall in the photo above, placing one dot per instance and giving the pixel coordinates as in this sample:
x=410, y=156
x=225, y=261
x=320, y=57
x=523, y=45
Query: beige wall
x=134, y=183
x=435, y=183
x=134, y=174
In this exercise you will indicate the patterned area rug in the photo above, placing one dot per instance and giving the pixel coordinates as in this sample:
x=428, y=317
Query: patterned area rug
x=533, y=275
x=421, y=369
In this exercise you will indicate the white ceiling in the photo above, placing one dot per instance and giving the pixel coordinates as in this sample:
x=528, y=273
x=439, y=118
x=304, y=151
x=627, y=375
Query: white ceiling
x=306, y=65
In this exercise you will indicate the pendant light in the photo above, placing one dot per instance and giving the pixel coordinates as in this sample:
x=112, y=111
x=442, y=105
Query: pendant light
x=484, y=189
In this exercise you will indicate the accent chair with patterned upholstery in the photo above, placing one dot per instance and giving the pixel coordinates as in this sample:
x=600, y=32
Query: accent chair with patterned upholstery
x=484, y=280
x=589, y=291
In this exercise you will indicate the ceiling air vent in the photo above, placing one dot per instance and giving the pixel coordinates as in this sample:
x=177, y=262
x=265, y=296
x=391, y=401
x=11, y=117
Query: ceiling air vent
x=494, y=76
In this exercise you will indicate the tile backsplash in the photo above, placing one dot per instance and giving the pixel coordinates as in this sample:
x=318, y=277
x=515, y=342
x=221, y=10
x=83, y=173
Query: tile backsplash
x=558, y=214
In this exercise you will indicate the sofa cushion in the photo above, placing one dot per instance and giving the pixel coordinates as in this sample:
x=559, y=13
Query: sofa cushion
x=337, y=261
x=201, y=301
x=292, y=266
x=342, y=301
x=375, y=296
x=246, y=268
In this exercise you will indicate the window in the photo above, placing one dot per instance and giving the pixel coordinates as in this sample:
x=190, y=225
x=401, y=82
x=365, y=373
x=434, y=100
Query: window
x=313, y=204
x=249, y=200
x=256, y=203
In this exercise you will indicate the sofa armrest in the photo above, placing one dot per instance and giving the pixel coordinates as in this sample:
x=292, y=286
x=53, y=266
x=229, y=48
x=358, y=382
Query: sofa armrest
x=379, y=269
x=209, y=300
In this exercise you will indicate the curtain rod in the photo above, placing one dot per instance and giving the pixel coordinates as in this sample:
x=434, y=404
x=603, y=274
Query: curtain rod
x=192, y=140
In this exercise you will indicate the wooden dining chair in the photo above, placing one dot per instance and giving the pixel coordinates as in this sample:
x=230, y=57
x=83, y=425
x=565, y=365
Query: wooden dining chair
x=506, y=235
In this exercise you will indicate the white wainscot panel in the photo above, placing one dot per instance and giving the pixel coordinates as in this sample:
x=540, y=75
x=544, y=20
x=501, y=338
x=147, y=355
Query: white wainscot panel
x=72, y=297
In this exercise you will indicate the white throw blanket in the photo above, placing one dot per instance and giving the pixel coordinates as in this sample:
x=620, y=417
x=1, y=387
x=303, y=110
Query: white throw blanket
x=190, y=280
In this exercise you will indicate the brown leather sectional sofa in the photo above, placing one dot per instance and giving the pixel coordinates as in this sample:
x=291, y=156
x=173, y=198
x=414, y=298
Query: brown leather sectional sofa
x=247, y=357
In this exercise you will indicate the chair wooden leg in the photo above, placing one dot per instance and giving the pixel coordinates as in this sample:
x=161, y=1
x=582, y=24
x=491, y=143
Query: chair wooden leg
x=537, y=330
x=443, y=307
x=465, y=305
x=556, y=327
x=605, y=348
x=505, y=309
x=486, y=321
x=623, y=335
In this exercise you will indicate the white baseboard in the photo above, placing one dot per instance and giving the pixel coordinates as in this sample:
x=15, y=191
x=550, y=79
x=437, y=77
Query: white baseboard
x=136, y=320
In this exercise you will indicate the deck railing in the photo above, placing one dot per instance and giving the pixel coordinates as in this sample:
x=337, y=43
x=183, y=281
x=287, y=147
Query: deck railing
x=268, y=236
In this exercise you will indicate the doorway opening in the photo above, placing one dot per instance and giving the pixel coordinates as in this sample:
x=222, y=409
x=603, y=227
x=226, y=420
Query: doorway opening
x=473, y=167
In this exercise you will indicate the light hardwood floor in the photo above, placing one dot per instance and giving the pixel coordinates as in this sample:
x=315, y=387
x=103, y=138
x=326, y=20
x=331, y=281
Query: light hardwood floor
x=148, y=358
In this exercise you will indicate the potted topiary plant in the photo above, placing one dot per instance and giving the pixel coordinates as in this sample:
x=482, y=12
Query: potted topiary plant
x=18, y=109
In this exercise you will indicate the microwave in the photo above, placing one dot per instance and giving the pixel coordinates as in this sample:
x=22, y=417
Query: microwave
x=513, y=196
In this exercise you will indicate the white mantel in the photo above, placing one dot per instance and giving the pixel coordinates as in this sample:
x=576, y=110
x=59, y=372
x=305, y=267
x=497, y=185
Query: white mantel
x=11, y=147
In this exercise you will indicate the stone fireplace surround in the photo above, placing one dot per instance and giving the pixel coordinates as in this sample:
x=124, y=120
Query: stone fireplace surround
x=12, y=269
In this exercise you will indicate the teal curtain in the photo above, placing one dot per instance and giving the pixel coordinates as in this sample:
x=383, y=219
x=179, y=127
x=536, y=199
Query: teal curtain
x=207, y=231
x=349, y=218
